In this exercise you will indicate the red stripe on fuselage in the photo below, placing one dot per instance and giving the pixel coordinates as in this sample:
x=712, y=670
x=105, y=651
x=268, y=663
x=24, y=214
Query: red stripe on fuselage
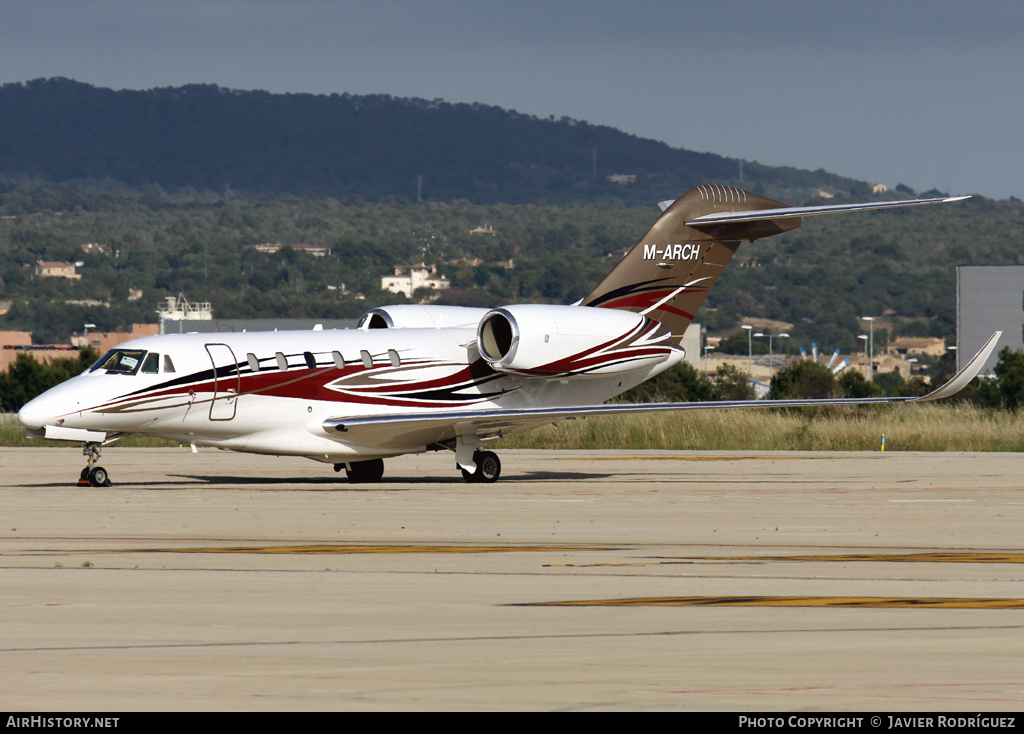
x=298, y=385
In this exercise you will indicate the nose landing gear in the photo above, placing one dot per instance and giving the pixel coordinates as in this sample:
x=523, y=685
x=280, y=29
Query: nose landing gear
x=93, y=476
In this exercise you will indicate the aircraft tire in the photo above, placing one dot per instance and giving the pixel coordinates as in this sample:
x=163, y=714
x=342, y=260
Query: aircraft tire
x=365, y=471
x=98, y=477
x=488, y=468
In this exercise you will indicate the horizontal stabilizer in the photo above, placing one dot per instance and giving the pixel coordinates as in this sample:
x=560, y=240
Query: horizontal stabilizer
x=788, y=212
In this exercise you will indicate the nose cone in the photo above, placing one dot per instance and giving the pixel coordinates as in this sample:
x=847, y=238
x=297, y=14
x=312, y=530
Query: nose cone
x=52, y=406
x=37, y=412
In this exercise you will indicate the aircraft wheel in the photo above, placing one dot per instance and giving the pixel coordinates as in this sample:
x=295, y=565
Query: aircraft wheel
x=365, y=471
x=98, y=477
x=488, y=468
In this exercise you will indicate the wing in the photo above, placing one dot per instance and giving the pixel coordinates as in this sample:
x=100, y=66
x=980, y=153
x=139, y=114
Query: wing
x=422, y=429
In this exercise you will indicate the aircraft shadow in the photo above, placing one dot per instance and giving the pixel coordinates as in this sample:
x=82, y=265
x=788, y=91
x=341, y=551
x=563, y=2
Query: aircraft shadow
x=342, y=483
x=333, y=483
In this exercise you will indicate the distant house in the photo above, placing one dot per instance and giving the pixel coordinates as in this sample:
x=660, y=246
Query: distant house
x=95, y=248
x=907, y=346
x=622, y=178
x=409, y=278
x=271, y=247
x=13, y=343
x=15, y=338
x=56, y=270
x=486, y=229
x=879, y=188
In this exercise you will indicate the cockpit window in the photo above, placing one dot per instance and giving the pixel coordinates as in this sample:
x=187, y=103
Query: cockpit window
x=168, y=364
x=152, y=364
x=120, y=361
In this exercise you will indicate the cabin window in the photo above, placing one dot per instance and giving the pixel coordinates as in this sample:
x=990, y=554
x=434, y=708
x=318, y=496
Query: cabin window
x=254, y=364
x=168, y=364
x=367, y=359
x=120, y=361
x=395, y=360
x=339, y=361
x=282, y=361
x=310, y=360
x=152, y=364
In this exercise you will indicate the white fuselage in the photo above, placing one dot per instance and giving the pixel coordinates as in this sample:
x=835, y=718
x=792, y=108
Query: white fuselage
x=270, y=392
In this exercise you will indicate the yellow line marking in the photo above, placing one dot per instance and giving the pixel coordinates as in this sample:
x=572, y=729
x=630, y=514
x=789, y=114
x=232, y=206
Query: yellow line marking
x=695, y=458
x=592, y=565
x=871, y=602
x=945, y=557
x=346, y=549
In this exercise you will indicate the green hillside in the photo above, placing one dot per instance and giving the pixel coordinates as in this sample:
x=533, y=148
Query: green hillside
x=256, y=144
x=819, y=277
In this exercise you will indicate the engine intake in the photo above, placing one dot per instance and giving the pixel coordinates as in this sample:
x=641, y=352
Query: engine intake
x=412, y=316
x=578, y=341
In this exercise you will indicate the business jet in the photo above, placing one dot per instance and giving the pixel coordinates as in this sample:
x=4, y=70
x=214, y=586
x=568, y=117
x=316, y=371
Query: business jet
x=416, y=378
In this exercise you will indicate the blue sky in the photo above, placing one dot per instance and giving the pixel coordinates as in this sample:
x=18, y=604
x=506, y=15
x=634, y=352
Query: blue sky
x=924, y=93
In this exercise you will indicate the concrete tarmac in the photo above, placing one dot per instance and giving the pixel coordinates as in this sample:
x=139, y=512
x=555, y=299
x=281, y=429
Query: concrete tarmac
x=581, y=580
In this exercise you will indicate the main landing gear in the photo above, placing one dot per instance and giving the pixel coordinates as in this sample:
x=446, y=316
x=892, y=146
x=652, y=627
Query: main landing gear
x=488, y=468
x=93, y=476
x=363, y=471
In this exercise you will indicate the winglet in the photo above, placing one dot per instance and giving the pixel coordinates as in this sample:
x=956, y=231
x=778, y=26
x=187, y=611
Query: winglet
x=968, y=373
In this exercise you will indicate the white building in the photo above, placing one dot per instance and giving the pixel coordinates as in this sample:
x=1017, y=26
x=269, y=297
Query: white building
x=408, y=278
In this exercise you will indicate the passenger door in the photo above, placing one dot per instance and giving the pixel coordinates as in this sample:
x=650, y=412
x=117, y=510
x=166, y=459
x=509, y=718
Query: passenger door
x=226, y=382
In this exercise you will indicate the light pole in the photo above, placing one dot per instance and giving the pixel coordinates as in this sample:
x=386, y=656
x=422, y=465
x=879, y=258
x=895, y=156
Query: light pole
x=748, y=329
x=771, y=354
x=871, y=346
x=707, y=348
x=86, y=335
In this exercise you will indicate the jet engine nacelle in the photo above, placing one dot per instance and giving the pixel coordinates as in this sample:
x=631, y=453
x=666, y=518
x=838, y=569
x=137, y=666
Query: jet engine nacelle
x=411, y=316
x=577, y=341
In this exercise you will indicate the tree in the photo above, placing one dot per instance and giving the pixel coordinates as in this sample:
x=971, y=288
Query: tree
x=855, y=385
x=26, y=377
x=1010, y=374
x=733, y=383
x=803, y=379
x=739, y=343
x=890, y=383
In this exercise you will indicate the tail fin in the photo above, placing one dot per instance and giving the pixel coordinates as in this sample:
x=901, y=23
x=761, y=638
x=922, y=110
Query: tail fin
x=670, y=271
x=668, y=274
